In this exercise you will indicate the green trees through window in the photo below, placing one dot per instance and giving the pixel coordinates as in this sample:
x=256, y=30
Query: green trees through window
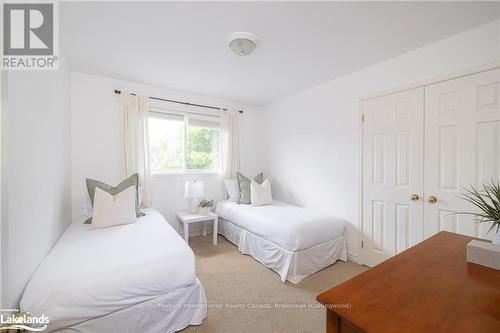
x=166, y=144
x=203, y=148
x=170, y=152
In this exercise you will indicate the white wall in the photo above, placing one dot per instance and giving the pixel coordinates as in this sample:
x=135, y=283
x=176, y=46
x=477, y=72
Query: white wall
x=35, y=172
x=2, y=106
x=313, y=136
x=97, y=141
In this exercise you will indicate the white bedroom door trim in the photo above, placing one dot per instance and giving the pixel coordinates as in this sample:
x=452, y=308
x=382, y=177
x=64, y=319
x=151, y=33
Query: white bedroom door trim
x=489, y=70
x=434, y=80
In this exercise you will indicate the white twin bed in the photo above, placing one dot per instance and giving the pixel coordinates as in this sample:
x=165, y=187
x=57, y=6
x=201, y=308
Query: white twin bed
x=137, y=277
x=140, y=277
x=293, y=241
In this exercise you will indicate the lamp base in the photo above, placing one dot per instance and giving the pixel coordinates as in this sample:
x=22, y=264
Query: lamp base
x=194, y=206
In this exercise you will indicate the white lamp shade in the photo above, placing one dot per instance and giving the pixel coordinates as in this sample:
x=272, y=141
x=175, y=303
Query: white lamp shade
x=194, y=189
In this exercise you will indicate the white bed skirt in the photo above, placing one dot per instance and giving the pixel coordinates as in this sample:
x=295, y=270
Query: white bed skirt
x=166, y=313
x=290, y=265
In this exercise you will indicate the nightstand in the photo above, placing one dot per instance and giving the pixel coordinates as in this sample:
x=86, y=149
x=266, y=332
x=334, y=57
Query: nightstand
x=186, y=218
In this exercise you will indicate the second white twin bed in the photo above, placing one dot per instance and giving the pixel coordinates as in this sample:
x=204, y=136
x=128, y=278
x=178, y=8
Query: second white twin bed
x=293, y=241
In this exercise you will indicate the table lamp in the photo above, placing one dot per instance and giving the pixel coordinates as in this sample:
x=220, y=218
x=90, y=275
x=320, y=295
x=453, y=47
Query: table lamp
x=194, y=190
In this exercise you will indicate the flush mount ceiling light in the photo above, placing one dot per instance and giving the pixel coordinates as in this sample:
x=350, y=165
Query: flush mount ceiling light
x=242, y=43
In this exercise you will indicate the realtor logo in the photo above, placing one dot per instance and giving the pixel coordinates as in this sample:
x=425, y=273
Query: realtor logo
x=14, y=320
x=29, y=36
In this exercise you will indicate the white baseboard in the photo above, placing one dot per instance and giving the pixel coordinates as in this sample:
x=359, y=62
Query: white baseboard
x=353, y=257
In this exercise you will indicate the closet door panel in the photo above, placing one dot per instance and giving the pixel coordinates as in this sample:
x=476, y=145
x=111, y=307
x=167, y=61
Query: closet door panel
x=461, y=148
x=392, y=173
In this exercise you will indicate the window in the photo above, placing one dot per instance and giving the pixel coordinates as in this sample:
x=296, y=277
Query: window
x=184, y=142
x=203, y=144
x=166, y=142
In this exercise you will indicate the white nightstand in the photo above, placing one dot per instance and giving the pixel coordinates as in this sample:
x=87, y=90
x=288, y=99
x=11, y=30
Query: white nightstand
x=186, y=218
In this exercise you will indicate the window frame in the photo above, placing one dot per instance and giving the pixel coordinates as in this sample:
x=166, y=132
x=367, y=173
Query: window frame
x=185, y=114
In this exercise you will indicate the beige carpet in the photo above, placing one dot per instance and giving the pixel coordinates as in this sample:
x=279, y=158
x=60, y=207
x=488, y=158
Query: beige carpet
x=231, y=279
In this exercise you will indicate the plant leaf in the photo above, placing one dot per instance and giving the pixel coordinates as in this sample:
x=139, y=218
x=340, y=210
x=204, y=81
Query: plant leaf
x=487, y=200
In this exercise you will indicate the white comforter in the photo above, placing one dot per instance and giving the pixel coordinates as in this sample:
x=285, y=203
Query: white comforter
x=91, y=273
x=290, y=227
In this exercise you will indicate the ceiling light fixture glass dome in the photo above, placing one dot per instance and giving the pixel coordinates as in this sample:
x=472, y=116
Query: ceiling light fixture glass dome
x=242, y=43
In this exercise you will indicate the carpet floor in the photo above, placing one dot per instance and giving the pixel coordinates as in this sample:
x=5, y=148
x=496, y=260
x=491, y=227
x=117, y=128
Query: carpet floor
x=245, y=296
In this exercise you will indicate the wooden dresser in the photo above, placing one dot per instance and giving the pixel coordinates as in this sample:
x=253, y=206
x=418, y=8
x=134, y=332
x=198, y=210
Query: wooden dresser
x=427, y=288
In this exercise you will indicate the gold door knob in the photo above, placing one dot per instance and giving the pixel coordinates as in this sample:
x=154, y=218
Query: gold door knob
x=432, y=199
x=414, y=197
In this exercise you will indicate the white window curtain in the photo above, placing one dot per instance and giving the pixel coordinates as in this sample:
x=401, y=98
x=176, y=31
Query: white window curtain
x=136, y=142
x=231, y=144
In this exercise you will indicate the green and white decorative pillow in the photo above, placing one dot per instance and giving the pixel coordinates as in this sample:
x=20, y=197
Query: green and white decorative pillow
x=245, y=190
x=112, y=210
x=133, y=180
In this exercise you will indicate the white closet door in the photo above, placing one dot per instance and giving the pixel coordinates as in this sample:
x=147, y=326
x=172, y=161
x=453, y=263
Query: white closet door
x=462, y=148
x=392, y=173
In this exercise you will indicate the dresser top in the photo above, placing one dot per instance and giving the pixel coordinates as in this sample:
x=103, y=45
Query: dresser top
x=428, y=288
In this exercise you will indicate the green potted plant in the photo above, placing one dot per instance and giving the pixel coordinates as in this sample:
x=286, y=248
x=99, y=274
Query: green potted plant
x=206, y=205
x=487, y=200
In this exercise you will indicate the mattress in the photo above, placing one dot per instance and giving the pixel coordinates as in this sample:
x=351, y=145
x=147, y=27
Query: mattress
x=291, y=227
x=92, y=273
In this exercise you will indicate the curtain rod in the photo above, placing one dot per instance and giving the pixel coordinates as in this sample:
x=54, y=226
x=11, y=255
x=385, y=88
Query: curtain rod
x=179, y=102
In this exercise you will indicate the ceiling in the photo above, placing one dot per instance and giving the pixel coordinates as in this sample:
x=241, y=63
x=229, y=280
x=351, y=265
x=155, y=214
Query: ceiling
x=183, y=45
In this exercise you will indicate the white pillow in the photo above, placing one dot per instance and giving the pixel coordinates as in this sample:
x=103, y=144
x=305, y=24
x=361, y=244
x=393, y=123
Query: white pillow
x=111, y=210
x=87, y=205
x=260, y=194
x=233, y=189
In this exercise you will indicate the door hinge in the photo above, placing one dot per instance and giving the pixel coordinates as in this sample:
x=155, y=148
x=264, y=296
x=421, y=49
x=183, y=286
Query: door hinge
x=363, y=117
x=362, y=244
